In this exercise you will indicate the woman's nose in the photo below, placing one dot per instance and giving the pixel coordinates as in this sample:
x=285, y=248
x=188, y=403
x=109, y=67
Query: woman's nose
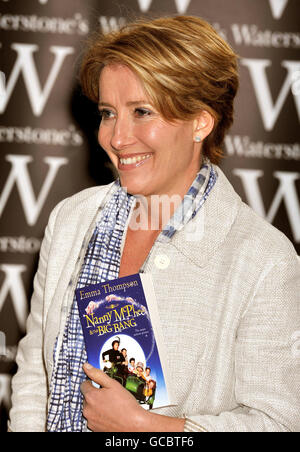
x=122, y=136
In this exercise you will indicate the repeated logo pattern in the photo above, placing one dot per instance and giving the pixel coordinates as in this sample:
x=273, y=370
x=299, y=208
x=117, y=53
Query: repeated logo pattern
x=46, y=140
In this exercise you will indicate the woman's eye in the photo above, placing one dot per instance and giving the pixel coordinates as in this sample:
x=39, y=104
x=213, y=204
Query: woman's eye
x=106, y=114
x=142, y=112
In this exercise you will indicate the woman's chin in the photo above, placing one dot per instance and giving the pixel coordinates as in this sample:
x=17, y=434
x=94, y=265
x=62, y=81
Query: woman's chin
x=134, y=188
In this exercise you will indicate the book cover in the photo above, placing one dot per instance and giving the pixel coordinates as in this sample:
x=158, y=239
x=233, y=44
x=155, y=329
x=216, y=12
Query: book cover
x=122, y=335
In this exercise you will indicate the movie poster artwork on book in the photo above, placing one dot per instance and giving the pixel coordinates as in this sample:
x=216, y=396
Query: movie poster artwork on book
x=122, y=335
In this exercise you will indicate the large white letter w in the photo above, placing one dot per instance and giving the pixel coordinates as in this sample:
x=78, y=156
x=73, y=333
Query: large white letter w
x=269, y=110
x=19, y=175
x=25, y=64
x=286, y=192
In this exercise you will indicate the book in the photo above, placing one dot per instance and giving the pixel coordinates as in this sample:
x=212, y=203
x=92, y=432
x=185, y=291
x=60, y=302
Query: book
x=123, y=336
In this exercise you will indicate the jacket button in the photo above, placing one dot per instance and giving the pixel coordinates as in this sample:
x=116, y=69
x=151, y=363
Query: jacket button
x=162, y=261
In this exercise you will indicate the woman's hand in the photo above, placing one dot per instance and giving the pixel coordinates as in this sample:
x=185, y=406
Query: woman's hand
x=113, y=409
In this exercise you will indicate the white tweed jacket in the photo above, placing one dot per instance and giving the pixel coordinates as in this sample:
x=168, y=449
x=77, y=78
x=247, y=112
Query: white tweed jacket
x=229, y=304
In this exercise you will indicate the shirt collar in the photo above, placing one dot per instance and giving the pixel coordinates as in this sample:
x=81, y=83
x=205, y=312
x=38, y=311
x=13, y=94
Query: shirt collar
x=192, y=201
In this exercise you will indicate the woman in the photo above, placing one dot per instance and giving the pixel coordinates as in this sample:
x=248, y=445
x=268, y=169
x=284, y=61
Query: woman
x=227, y=282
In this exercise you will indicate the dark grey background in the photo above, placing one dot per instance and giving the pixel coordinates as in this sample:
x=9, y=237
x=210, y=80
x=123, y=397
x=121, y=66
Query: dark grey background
x=87, y=164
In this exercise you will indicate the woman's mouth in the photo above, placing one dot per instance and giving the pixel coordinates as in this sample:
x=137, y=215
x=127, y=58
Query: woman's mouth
x=133, y=161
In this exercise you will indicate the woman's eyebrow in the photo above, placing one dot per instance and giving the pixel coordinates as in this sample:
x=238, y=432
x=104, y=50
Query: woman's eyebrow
x=104, y=104
x=128, y=104
x=136, y=102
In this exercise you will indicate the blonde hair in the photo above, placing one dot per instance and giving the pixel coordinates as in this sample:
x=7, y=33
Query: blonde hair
x=184, y=65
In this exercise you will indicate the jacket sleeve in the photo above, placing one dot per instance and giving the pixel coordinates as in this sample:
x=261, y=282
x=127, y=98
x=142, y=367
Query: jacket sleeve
x=29, y=385
x=267, y=360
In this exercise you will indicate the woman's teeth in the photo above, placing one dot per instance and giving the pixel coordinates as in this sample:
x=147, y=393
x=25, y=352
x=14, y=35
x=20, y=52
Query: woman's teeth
x=133, y=160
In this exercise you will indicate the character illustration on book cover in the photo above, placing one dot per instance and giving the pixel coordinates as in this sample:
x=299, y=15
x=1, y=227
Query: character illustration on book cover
x=132, y=373
x=120, y=340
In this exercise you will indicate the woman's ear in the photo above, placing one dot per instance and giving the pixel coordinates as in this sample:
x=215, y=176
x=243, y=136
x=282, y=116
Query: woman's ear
x=203, y=125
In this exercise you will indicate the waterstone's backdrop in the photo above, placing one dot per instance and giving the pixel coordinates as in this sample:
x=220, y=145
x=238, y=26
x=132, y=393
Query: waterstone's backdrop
x=48, y=129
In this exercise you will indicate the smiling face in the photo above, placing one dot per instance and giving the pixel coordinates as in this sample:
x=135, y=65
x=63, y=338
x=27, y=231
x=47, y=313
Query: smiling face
x=152, y=156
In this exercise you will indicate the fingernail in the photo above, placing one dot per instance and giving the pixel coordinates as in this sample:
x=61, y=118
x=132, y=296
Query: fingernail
x=87, y=366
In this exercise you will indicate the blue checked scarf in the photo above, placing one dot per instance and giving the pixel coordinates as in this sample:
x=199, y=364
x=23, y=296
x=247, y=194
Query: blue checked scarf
x=102, y=263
